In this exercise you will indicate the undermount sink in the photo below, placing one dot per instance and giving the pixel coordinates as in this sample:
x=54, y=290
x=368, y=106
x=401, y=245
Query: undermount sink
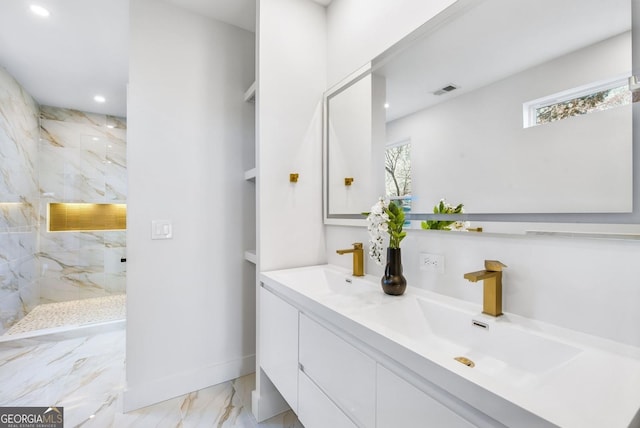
x=494, y=346
x=333, y=287
x=499, y=340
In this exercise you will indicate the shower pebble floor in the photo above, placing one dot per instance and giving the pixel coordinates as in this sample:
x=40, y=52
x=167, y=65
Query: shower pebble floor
x=72, y=313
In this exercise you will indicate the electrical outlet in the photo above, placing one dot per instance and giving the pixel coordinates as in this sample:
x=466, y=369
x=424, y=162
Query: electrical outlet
x=432, y=262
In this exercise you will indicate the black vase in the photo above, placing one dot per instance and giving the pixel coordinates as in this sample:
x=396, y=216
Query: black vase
x=393, y=282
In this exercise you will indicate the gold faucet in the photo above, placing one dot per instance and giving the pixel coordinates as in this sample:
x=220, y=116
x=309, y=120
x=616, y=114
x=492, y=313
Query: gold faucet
x=358, y=258
x=492, y=290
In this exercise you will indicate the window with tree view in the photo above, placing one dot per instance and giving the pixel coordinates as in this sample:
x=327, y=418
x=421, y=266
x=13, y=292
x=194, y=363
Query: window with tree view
x=577, y=102
x=397, y=165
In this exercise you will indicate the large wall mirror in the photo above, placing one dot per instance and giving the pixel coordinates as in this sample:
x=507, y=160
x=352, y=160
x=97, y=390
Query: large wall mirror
x=521, y=111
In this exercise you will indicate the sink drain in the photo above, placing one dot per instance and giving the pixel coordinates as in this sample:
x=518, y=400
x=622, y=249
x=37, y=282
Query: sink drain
x=467, y=362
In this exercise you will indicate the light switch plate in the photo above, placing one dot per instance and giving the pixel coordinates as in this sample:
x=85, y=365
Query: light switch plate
x=161, y=229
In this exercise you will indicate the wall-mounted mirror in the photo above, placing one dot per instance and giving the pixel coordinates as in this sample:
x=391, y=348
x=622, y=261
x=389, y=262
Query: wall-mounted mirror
x=520, y=111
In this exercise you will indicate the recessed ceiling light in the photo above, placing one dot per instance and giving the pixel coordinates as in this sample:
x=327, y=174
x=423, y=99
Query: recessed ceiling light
x=39, y=10
x=386, y=105
x=99, y=99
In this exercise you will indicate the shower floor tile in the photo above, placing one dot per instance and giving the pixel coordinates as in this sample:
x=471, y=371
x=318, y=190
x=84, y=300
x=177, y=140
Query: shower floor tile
x=72, y=313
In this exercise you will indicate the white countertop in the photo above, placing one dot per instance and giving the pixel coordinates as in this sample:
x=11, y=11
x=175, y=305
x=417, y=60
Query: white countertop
x=577, y=380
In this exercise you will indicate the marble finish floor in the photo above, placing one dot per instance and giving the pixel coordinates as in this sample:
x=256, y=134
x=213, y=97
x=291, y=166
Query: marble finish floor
x=86, y=376
x=72, y=313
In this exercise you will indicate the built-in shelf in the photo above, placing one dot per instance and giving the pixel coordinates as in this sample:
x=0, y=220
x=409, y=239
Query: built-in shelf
x=250, y=94
x=250, y=256
x=250, y=175
x=592, y=235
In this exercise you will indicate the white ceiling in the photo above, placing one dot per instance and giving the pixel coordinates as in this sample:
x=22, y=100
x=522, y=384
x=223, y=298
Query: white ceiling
x=81, y=49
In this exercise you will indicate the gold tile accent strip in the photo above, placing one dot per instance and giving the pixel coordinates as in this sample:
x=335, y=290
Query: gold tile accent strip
x=64, y=217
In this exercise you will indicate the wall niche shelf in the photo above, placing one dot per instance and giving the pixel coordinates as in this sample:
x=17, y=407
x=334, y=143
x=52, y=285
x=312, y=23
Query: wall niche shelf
x=250, y=94
x=250, y=256
x=250, y=175
x=85, y=217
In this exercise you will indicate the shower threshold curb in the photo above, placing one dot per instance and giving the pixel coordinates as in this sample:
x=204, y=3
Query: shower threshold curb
x=61, y=333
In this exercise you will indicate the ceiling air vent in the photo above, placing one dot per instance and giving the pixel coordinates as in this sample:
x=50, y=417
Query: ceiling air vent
x=448, y=88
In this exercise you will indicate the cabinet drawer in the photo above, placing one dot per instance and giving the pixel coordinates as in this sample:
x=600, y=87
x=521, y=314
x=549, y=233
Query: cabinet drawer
x=316, y=410
x=343, y=372
x=279, y=345
x=400, y=404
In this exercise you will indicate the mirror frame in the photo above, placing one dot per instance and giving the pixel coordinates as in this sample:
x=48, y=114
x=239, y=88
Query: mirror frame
x=558, y=219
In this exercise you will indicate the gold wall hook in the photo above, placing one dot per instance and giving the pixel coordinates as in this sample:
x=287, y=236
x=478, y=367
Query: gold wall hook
x=293, y=177
x=348, y=181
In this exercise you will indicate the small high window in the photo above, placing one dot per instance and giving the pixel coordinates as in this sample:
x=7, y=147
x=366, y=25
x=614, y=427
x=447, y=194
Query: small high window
x=578, y=101
x=397, y=165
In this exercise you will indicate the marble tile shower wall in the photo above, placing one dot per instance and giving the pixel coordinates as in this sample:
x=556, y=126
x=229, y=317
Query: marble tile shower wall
x=19, y=198
x=82, y=158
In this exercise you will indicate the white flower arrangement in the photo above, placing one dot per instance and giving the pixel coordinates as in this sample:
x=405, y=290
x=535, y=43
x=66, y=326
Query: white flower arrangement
x=385, y=218
x=377, y=227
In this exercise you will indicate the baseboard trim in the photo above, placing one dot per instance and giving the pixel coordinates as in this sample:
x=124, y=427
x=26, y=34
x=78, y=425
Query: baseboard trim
x=139, y=396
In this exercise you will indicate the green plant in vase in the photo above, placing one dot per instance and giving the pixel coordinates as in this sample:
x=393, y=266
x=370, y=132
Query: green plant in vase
x=444, y=208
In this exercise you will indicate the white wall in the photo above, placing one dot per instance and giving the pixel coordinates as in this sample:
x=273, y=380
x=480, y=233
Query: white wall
x=190, y=316
x=587, y=285
x=291, y=81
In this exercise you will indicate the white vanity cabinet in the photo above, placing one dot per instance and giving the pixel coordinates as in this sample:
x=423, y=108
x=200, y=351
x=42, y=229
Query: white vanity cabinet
x=343, y=372
x=330, y=381
x=400, y=404
x=279, y=345
x=376, y=361
x=316, y=410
